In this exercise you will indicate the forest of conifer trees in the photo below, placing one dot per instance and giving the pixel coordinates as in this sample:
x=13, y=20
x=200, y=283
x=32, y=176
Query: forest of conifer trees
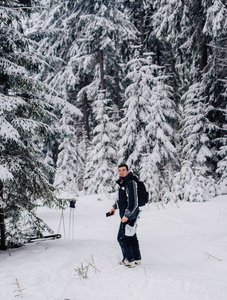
x=87, y=84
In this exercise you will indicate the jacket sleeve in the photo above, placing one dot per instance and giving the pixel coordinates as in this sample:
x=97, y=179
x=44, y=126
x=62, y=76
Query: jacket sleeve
x=116, y=206
x=131, y=191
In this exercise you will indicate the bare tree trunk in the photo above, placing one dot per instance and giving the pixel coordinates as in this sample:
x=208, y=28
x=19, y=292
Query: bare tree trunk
x=173, y=80
x=203, y=59
x=86, y=116
x=142, y=32
x=101, y=63
x=201, y=38
x=158, y=52
x=2, y=221
x=118, y=95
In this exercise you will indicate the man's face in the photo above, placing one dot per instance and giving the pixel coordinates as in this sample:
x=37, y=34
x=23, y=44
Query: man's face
x=123, y=172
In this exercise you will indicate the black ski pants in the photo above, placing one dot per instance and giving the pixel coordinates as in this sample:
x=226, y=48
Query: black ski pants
x=129, y=244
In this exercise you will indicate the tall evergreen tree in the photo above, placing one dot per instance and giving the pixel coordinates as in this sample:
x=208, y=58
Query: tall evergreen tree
x=214, y=84
x=160, y=157
x=133, y=123
x=74, y=36
x=195, y=181
x=105, y=35
x=54, y=28
x=104, y=29
x=102, y=155
x=70, y=162
x=147, y=142
x=26, y=112
x=207, y=53
x=88, y=54
x=195, y=31
x=169, y=37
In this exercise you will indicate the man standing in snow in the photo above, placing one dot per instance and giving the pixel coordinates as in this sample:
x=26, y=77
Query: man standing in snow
x=128, y=210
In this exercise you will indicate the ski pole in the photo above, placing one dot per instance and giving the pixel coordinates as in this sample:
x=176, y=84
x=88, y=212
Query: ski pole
x=62, y=220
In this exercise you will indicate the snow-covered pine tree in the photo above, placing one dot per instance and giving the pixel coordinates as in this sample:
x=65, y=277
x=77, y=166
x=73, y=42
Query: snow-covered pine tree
x=195, y=181
x=54, y=28
x=147, y=134
x=168, y=38
x=214, y=82
x=195, y=31
x=135, y=111
x=103, y=32
x=80, y=40
x=68, y=34
x=140, y=14
x=70, y=163
x=207, y=43
x=159, y=156
x=167, y=17
x=26, y=112
x=101, y=160
x=104, y=38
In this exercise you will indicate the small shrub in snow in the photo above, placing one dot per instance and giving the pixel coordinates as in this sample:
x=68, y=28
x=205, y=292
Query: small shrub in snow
x=18, y=289
x=82, y=271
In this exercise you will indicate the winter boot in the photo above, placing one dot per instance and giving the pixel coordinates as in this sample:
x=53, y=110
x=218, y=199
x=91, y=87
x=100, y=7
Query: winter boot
x=128, y=264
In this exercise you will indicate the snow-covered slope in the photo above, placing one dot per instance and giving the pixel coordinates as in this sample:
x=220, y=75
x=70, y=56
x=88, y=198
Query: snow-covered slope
x=184, y=255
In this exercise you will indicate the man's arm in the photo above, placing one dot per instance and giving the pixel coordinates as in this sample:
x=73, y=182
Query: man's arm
x=131, y=191
x=113, y=209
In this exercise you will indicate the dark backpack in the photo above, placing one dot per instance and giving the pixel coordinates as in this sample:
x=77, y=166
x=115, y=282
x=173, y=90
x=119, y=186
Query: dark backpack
x=143, y=195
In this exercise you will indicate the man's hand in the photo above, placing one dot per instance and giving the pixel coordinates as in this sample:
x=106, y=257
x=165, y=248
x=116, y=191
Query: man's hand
x=112, y=211
x=124, y=219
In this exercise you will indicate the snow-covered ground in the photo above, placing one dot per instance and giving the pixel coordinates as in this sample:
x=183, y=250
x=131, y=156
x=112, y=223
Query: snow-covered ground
x=184, y=251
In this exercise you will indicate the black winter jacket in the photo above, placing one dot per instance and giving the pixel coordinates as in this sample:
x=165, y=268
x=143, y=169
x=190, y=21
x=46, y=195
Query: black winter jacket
x=127, y=199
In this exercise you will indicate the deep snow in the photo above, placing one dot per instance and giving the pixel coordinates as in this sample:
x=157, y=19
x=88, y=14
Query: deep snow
x=184, y=251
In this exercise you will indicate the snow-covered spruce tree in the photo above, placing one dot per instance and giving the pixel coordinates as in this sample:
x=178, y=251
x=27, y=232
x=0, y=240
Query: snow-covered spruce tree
x=104, y=38
x=84, y=37
x=70, y=163
x=147, y=135
x=205, y=108
x=195, y=181
x=137, y=91
x=135, y=111
x=214, y=81
x=195, y=30
x=140, y=14
x=168, y=38
x=180, y=24
x=104, y=30
x=102, y=153
x=22, y=130
x=167, y=17
x=159, y=156
x=70, y=34
x=53, y=27
x=26, y=110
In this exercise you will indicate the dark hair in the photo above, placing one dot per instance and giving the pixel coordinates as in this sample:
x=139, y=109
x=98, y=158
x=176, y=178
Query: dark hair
x=123, y=165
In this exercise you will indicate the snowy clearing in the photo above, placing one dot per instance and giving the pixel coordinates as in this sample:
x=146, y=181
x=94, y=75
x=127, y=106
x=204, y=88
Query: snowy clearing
x=184, y=255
